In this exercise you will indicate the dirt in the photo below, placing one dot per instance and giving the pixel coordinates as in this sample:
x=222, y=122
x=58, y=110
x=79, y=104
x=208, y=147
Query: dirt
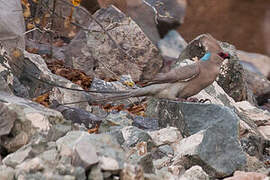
x=244, y=23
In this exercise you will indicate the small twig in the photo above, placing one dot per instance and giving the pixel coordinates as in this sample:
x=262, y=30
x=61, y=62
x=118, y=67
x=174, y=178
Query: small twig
x=104, y=30
x=52, y=23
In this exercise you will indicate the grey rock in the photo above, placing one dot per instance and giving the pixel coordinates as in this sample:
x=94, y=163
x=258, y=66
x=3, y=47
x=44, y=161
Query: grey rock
x=78, y=145
x=9, y=80
x=172, y=45
x=31, y=118
x=131, y=172
x=32, y=165
x=160, y=174
x=194, y=173
x=7, y=118
x=162, y=163
x=95, y=173
x=132, y=41
x=104, y=145
x=12, y=25
x=49, y=155
x=4, y=84
x=85, y=155
x=6, y=173
x=101, y=85
x=231, y=72
x=145, y=123
x=79, y=116
x=168, y=14
x=18, y=157
x=134, y=135
x=260, y=61
x=57, y=131
x=69, y=171
x=165, y=136
x=200, y=149
x=146, y=162
x=218, y=126
x=166, y=150
x=115, y=121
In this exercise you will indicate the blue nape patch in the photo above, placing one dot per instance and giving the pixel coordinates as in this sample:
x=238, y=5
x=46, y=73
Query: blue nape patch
x=206, y=56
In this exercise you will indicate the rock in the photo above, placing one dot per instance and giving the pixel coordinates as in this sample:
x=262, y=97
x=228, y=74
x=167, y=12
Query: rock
x=7, y=118
x=77, y=145
x=108, y=164
x=160, y=174
x=101, y=85
x=168, y=14
x=145, y=123
x=198, y=149
x=57, y=131
x=49, y=155
x=132, y=41
x=95, y=173
x=176, y=170
x=194, y=173
x=67, y=170
x=216, y=127
x=31, y=118
x=257, y=83
x=172, y=45
x=10, y=83
x=162, y=163
x=133, y=135
x=36, y=66
x=6, y=173
x=166, y=150
x=216, y=95
x=12, y=25
x=18, y=157
x=240, y=175
x=104, y=145
x=85, y=155
x=254, y=122
x=79, y=116
x=146, y=162
x=32, y=165
x=231, y=72
x=165, y=136
x=132, y=172
x=118, y=119
x=252, y=114
x=260, y=61
x=4, y=84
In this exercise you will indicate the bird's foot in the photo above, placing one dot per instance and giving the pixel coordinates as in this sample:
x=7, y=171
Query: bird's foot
x=196, y=100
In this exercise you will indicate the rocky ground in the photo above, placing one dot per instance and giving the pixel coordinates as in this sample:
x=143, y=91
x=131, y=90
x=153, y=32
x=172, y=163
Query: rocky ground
x=43, y=138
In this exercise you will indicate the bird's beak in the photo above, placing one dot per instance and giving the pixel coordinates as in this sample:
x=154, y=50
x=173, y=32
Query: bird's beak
x=224, y=55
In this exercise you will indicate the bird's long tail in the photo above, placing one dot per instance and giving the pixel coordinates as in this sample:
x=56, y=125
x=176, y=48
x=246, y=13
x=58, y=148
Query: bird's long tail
x=146, y=91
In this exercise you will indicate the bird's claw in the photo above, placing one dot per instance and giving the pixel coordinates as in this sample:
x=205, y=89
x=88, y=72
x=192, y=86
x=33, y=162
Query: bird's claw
x=198, y=100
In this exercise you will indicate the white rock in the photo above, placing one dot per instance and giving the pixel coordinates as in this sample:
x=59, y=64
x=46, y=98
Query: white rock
x=165, y=136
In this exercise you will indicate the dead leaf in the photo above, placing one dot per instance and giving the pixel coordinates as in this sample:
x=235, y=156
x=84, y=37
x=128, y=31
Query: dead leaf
x=43, y=99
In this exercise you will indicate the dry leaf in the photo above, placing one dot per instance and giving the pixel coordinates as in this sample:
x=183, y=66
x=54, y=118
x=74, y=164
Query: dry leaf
x=30, y=25
x=42, y=99
x=76, y=2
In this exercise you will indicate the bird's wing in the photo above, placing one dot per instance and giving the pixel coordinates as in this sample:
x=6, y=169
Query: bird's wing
x=184, y=73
